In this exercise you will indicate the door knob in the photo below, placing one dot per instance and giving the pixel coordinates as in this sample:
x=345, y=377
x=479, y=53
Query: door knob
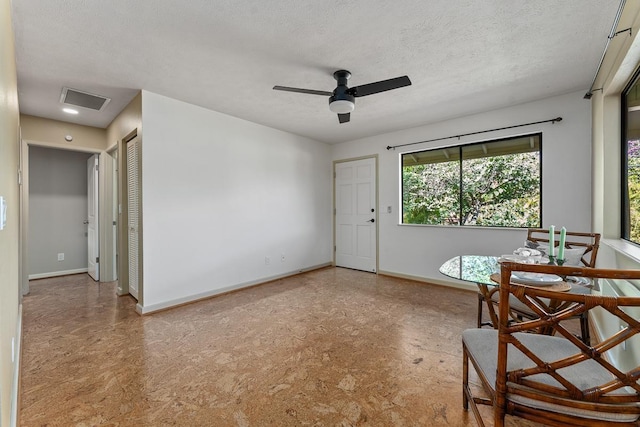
x=372, y=220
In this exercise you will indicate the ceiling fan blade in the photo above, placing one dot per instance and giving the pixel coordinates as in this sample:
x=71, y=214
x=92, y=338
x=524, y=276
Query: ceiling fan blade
x=344, y=118
x=307, y=91
x=381, y=86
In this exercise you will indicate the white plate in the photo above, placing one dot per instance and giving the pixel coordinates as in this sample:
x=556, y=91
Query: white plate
x=521, y=259
x=579, y=280
x=513, y=258
x=527, y=252
x=539, y=279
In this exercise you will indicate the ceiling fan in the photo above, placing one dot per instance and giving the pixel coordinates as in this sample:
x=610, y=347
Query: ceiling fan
x=343, y=99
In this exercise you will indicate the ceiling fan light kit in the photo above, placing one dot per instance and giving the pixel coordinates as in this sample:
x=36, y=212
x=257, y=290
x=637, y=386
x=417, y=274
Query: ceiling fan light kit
x=343, y=99
x=341, y=106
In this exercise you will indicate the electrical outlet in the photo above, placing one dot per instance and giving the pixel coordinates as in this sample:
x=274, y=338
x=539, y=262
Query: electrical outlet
x=267, y=260
x=61, y=256
x=282, y=258
x=388, y=209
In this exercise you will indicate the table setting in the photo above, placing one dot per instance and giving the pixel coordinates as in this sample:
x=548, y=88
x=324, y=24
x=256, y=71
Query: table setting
x=484, y=270
x=536, y=253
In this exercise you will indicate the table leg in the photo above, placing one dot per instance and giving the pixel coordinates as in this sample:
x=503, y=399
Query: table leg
x=484, y=295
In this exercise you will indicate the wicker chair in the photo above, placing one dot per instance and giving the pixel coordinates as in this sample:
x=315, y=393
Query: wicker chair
x=590, y=242
x=556, y=380
x=587, y=242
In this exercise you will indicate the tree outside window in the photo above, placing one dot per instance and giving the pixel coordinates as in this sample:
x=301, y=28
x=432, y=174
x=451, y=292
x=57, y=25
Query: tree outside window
x=494, y=184
x=631, y=161
x=632, y=228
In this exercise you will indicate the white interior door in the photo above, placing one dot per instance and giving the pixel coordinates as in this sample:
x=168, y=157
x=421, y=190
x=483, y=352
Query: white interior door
x=114, y=214
x=93, y=243
x=356, y=216
x=133, y=212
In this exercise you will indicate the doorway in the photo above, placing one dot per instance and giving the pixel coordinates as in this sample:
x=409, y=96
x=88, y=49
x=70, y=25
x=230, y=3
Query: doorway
x=57, y=218
x=59, y=261
x=355, y=214
x=111, y=210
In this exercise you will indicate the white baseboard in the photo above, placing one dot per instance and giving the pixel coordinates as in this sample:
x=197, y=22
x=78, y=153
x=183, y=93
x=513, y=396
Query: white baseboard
x=204, y=295
x=449, y=283
x=57, y=273
x=15, y=386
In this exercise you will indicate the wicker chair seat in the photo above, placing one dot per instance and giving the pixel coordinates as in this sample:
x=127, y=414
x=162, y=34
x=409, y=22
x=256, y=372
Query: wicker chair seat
x=537, y=369
x=482, y=345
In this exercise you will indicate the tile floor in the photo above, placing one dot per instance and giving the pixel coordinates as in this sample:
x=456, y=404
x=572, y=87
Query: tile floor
x=332, y=347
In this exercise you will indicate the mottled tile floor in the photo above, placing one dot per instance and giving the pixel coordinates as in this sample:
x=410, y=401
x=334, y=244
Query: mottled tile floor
x=332, y=347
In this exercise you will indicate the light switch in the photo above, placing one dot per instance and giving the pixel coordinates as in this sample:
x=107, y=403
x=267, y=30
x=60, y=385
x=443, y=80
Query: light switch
x=3, y=212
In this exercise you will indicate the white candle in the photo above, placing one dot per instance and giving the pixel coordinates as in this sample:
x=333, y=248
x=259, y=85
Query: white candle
x=563, y=235
x=552, y=242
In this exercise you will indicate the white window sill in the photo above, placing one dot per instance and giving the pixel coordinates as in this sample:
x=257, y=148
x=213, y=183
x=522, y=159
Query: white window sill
x=624, y=247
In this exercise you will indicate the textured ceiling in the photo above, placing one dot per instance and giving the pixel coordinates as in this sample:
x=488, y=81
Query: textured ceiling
x=463, y=56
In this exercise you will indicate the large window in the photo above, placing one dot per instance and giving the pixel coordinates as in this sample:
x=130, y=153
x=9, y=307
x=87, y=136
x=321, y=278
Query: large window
x=631, y=161
x=493, y=183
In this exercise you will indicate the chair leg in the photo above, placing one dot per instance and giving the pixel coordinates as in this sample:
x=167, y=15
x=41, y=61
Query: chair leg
x=484, y=297
x=465, y=378
x=480, y=304
x=467, y=397
x=584, y=328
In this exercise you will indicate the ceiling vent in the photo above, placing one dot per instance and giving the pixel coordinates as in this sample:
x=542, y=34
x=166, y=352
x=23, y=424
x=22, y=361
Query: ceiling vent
x=83, y=99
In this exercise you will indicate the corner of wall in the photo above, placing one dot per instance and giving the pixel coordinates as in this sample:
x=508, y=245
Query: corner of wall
x=15, y=387
x=10, y=236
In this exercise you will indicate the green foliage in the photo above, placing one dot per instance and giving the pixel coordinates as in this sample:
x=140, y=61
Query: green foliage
x=430, y=193
x=633, y=188
x=499, y=191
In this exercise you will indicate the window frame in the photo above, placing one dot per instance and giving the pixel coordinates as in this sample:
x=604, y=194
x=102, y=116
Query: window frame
x=460, y=148
x=625, y=205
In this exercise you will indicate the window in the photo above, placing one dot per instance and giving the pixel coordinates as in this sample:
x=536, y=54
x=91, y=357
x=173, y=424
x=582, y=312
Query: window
x=631, y=161
x=494, y=184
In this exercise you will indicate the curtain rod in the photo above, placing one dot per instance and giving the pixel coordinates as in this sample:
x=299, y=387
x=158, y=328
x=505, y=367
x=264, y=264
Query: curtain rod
x=557, y=119
x=612, y=34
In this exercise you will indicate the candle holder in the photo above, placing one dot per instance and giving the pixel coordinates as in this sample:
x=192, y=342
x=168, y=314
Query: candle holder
x=554, y=260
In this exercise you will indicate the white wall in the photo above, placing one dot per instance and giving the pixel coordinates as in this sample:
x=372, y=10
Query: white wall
x=566, y=196
x=10, y=308
x=58, y=207
x=621, y=62
x=219, y=195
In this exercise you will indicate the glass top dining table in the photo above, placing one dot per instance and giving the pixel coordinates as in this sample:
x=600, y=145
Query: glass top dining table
x=479, y=268
x=472, y=268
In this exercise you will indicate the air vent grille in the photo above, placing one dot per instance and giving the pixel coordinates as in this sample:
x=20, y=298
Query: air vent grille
x=83, y=99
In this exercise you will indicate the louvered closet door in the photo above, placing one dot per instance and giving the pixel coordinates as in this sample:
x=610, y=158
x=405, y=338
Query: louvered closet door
x=133, y=208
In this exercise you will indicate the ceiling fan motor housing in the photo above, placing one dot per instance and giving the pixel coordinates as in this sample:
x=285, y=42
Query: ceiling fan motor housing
x=342, y=101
